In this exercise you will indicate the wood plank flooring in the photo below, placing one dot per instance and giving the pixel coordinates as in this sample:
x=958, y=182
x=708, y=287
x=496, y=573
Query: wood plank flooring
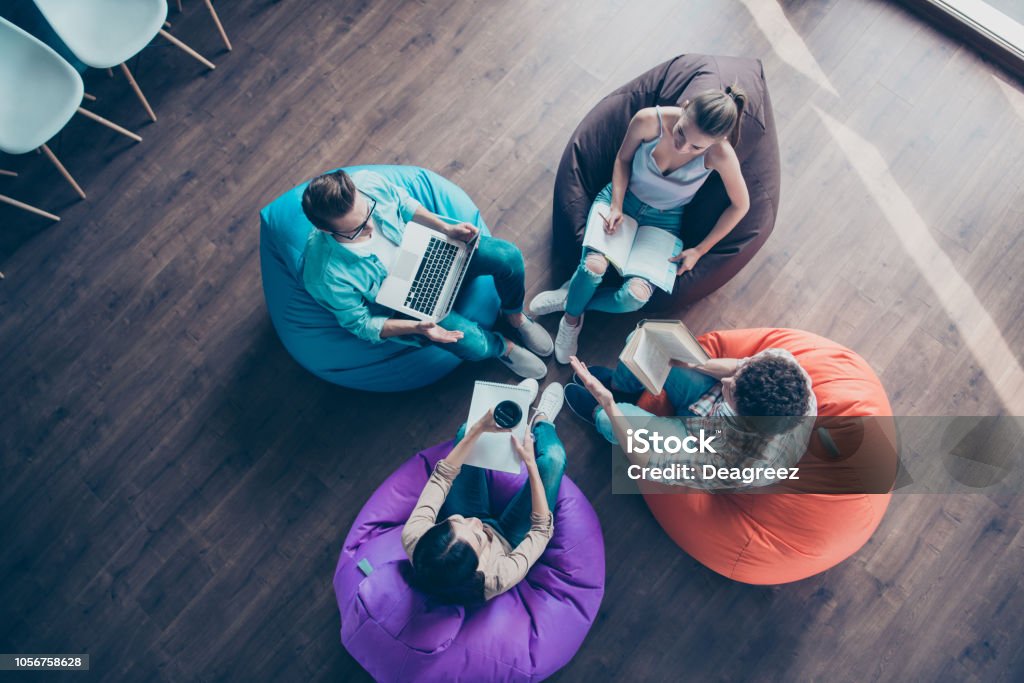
x=175, y=488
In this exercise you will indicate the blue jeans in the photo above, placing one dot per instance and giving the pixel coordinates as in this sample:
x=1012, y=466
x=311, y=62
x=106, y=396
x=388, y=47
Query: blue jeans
x=683, y=386
x=504, y=262
x=469, y=496
x=584, y=293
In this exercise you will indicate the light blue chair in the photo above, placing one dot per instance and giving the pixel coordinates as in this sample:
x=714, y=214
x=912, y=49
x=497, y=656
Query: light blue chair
x=106, y=33
x=39, y=93
x=312, y=335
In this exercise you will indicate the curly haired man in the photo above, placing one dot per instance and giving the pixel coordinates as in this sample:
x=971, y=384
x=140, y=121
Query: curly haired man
x=762, y=408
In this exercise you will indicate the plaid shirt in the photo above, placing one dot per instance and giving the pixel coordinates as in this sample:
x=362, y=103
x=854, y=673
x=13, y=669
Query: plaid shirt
x=735, y=447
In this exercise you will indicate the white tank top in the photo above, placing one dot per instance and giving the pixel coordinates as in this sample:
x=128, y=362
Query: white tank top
x=664, y=192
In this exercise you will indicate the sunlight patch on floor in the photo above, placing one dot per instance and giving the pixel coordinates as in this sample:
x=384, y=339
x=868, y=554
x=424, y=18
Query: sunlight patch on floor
x=786, y=42
x=976, y=327
x=1014, y=96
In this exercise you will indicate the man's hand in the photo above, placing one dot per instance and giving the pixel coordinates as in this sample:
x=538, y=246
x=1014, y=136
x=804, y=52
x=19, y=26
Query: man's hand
x=600, y=392
x=463, y=231
x=436, y=333
x=686, y=259
x=613, y=221
x=524, y=449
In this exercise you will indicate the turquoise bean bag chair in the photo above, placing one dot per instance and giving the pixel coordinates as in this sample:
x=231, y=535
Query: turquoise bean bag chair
x=312, y=335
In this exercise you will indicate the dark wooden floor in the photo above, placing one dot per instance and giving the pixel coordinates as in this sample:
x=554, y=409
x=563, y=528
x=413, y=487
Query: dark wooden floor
x=175, y=488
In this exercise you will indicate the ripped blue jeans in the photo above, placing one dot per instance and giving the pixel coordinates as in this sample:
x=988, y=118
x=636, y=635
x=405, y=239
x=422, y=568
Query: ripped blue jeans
x=585, y=292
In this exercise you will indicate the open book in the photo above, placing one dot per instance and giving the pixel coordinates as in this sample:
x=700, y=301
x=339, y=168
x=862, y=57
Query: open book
x=654, y=344
x=635, y=250
x=494, y=450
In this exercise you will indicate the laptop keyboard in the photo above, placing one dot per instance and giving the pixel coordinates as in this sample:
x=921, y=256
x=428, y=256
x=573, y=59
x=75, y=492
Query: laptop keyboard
x=431, y=276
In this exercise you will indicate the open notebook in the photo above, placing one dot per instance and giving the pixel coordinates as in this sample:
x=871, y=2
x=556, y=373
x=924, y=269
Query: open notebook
x=635, y=250
x=654, y=344
x=494, y=451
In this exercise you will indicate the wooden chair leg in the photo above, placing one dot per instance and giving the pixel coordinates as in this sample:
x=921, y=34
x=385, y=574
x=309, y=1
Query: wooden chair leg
x=138, y=91
x=63, y=171
x=189, y=51
x=109, y=124
x=87, y=96
x=220, y=27
x=29, y=208
x=179, y=5
x=9, y=174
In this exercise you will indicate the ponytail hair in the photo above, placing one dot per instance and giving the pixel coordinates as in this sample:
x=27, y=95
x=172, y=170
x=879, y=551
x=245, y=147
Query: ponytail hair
x=719, y=113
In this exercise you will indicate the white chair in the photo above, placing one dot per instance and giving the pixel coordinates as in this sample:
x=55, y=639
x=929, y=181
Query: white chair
x=106, y=33
x=39, y=93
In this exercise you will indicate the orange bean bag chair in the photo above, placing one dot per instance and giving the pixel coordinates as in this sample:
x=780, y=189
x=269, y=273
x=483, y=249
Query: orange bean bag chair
x=795, y=531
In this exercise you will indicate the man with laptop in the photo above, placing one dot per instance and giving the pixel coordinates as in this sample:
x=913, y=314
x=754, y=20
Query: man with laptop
x=389, y=269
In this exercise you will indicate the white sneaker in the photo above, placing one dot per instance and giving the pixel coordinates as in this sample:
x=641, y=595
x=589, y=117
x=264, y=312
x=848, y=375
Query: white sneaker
x=551, y=402
x=524, y=363
x=551, y=301
x=535, y=337
x=567, y=340
x=531, y=385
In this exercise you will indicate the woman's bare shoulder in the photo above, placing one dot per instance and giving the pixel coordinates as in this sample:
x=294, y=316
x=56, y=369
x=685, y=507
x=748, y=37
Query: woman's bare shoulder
x=721, y=153
x=645, y=117
x=645, y=122
x=670, y=114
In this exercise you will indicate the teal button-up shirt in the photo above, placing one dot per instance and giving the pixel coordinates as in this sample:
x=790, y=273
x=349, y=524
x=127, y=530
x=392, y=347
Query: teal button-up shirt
x=346, y=283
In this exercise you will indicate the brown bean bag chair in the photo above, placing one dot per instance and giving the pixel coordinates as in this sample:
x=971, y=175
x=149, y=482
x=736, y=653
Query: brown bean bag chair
x=586, y=167
x=787, y=535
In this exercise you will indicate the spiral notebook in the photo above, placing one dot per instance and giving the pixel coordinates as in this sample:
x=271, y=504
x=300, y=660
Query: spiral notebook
x=494, y=451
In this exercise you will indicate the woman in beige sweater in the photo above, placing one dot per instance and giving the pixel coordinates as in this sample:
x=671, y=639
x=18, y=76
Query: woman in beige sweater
x=471, y=555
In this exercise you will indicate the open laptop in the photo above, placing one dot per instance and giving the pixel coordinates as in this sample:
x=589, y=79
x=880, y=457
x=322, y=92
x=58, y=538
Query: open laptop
x=425, y=277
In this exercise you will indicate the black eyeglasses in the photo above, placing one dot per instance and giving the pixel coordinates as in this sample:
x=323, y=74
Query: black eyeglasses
x=352, y=234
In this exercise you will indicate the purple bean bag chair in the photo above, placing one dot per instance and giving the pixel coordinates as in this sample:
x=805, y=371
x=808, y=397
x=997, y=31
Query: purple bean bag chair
x=525, y=634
